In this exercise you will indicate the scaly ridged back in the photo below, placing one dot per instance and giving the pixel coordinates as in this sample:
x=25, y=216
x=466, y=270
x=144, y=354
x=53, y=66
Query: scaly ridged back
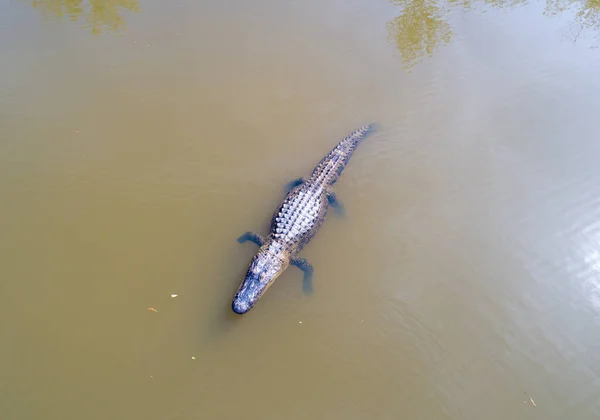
x=303, y=210
x=331, y=166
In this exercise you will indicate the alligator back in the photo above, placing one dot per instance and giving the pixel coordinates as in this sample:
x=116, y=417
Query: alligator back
x=299, y=216
x=303, y=210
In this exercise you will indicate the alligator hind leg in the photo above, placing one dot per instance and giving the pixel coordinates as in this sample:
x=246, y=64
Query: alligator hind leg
x=334, y=202
x=293, y=184
x=252, y=237
x=305, y=266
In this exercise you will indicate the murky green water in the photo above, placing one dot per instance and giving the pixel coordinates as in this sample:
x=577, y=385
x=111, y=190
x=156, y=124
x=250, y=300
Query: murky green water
x=139, y=139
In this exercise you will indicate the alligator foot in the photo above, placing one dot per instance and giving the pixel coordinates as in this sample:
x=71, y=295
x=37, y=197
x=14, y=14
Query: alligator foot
x=305, y=266
x=252, y=237
x=293, y=184
x=334, y=202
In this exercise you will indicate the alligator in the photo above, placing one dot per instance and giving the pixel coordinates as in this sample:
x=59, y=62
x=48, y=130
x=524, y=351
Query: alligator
x=294, y=223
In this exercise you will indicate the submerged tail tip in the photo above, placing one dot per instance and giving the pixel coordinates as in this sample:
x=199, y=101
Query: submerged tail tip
x=359, y=134
x=368, y=128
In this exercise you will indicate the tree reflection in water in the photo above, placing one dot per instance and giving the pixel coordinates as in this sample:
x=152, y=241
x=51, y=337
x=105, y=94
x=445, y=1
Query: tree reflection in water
x=422, y=26
x=420, y=29
x=98, y=14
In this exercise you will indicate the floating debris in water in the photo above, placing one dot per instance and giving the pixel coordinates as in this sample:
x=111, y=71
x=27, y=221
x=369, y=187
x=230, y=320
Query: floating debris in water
x=193, y=358
x=530, y=401
x=152, y=310
x=299, y=322
x=173, y=295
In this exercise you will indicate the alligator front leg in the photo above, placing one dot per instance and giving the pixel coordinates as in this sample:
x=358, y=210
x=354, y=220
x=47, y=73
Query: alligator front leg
x=252, y=237
x=293, y=184
x=305, y=266
x=333, y=202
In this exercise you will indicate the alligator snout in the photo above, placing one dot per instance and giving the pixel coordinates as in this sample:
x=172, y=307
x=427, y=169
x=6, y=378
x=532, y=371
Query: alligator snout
x=241, y=306
x=250, y=291
x=264, y=268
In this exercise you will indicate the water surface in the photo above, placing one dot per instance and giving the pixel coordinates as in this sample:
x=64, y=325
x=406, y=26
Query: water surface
x=139, y=139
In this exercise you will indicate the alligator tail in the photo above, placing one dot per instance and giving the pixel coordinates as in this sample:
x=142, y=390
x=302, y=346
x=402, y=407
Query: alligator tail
x=352, y=140
x=332, y=165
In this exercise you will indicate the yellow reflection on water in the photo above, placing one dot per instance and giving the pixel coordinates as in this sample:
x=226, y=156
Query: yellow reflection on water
x=422, y=26
x=587, y=14
x=98, y=14
x=419, y=29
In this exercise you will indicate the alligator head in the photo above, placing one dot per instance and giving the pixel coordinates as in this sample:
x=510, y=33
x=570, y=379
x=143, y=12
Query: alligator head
x=264, y=268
